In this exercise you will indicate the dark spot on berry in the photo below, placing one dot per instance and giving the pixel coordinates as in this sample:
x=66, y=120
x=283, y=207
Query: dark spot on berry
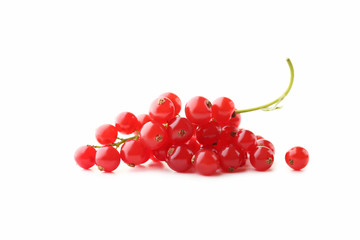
x=269, y=160
x=100, y=168
x=233, y=115
x=193, y=159
x=171, y=150
x=158, y=138
x=291, y=162
x=208, y=103
x=233, y=133
x=182, y=132
x=131, y=165
x=161, y=101
x=231, y=169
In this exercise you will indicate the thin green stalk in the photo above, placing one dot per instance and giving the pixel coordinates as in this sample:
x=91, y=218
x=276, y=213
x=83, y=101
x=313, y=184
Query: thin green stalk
x=117, y=144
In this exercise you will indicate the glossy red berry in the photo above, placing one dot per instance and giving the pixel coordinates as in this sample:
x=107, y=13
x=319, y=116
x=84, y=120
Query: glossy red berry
x=208, y=134
x=161, y=153
x=106, y=134
x=297, y=158
x=222, y=109
x=162, y=110
x=174, y=99
x=228, y=134
x=126, y=123
x=193, y=144
x=198, y=110
x=107, y=159
x=154, y=135
x=142, y=119
x=245, y=140
x=180, y=130
x=206, y=161
x=266, y=143
x=134, y=152
x=261, y=158
x=85, y=156
x=234, y=120
x=231, y=158
x=179, y=158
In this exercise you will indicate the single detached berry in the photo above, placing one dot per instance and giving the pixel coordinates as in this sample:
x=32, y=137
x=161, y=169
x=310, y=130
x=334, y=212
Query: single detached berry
x=231, y=158
x=162, y=110
x=106, y=134
x=85, y=156
x=206, y=161
x=198, y=110
x=154, y=135
x=142, y=119
x=297, y=158
x=261, y=158
x=126, y=123
x=245, y=140
x=179, y=158
x=266, y=143
x=134, y=152
x=222, y=109
x=174, y=99
x=180, y=130
x=208, y=134
x=107, y=159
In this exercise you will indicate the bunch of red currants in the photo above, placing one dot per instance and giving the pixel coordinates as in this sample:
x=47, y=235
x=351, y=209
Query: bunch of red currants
x=208, y=140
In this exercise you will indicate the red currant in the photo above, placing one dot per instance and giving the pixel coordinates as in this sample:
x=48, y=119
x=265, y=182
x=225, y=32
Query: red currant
x=154, y=135
x=193, y=144
x=261, y=158
x=134, y=152
x=231, y=158
x=208, y=134
x=198, y=110
x=126, y=123
x=245, y=140
x=106, y=134
x=222, y=109
x=85, y=156
x=107, y=159
x=142, y=118
x=297, y=158
x=160, y=154
x=228, y=134
x=266, y=143
x=206, y=161
x=162, y=110
x=174, y=99
x=180, y=130
x=234, y=120
x=179, y=158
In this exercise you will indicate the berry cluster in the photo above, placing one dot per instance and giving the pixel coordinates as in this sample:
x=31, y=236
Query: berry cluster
x=207, y=140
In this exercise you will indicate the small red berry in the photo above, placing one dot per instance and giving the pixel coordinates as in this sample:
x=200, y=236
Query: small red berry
x=142, y=118
x=134, y=152
x=85, y=156
x=266, y=143
x=154, y=135
x=198, y=110
x=297, y=158
x=193, y=144
x=245, y=140
x=161, y=153
x=180, y=130
x=231, y=158
x=228, y=134
x=126, y=123
x=261, y=158
x=162, y=110
x=174, y=99
x=206, y=161
x=106, y=134
x=222, y=109
x=179, y=158
x=234, y=120
x=208, y=134
x=107, y=159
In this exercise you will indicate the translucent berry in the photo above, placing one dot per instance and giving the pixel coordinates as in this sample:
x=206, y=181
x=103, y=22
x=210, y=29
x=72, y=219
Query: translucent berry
x=134, y=152
x=208, y=134
x=126, y=123
x=106, y=134
x=198, y=110
x=297, y=158
x=245, y=140
x=174, y=99
x=107, y=159
x=231, y=158
x=179, y=158
x=235, y=120
x=142, y=119
x=85, y=156
x=193, y=144
x=266, y=143
x=222, y=109
x=180, y=130
x=206, y=161
x=162, y=110
x=261, y=158
x=154, y=135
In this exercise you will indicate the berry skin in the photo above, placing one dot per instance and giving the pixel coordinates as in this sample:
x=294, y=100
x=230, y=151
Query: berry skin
x=154, y=135
x=234, y=120
x=222, y=109
x=174, y=99
x=228, y=134
x=134, y=152
x=266, y=143
x=208, y=134
x=85, y=156
x=297, y=158
x=261, y=158
x=160, y=154
x=179, y=158
x=245, y=140
x=126, y=123
x=107, y=159
x=258, y=137
x=106, y=134
x=142, y=118
x=231, y=158
x=198, y=110
x=206, y=161
x=180, y=130
x=162, y=110
x=193, y=144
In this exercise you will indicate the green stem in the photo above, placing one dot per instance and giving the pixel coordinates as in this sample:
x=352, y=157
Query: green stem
x=274, y=103
x=117, y=144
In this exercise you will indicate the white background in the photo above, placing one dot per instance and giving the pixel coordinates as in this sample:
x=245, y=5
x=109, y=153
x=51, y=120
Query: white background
x=67, y=67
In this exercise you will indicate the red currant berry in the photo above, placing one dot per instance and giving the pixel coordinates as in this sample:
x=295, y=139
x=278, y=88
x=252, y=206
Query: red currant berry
x=231, y=158
x=206, y=161
x=174, y=99
x=126, y=123
x=85, y=156
x=154, y=135
x=266, y=143
x=179, y=158
x=245, y=140
x=134, y=152
x=198, y=110
x=234, y=120
x=160, y=154
x=107, y=159
x=208, y=134
x=142, y=118
x=106, y=134
x=222, y=109
x=193, y=144
x=228, y=134
x=162, y=110
x=261, y=158
x=180, y=130
x=297, y=158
